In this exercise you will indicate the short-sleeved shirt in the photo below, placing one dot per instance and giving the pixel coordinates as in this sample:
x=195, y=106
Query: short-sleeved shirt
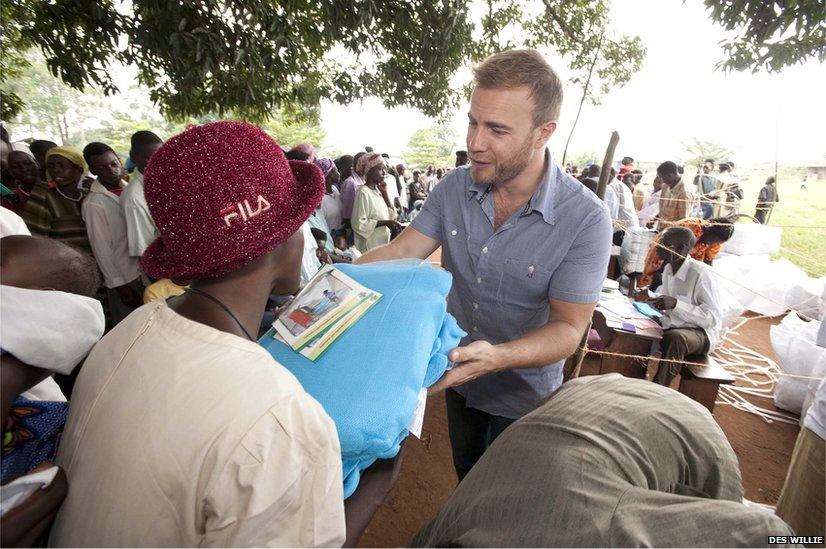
x=675, y=204
x=140, y=228
x=180, y=435
x=555, y=247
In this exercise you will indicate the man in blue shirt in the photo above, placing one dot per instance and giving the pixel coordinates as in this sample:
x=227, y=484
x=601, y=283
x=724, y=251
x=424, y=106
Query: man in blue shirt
x=528, y=248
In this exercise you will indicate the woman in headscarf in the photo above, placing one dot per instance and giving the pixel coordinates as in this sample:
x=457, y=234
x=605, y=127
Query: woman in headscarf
x=53, y=210
x=710, y=237
x=306, y=151
x=374, y=216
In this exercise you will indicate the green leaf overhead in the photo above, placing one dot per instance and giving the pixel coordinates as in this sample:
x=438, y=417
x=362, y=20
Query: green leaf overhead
x=252, y=58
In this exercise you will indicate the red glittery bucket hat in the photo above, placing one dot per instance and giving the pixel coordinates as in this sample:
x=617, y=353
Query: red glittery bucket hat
x=222, y=195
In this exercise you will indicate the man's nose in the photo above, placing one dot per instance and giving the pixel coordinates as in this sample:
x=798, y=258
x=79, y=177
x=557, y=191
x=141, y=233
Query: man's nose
x=476, y=141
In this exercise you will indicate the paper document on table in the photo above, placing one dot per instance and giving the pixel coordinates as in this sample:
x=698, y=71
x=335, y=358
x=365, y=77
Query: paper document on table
x=621, y=308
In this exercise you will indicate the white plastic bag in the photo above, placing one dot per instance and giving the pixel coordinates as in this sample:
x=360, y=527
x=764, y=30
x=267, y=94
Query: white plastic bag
x=806, y=296
x=759, y=284
x=753, y=239
x=793, y=341
x=635, y=245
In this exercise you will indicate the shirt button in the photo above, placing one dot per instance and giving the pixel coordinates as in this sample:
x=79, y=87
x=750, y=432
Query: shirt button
x=478, y=280
x=475, y=328
x=453, y=232
x=485, y=250
x=475, y=305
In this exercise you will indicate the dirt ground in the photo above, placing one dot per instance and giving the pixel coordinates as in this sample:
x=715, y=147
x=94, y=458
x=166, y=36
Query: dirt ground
x=427, y=477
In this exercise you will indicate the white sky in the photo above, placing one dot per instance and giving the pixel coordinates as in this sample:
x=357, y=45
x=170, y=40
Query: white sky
x=676, y=95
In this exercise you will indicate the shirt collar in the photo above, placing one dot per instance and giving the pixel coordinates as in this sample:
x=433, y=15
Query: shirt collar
x=682, y=272
x=542, y=200
x=98, y=187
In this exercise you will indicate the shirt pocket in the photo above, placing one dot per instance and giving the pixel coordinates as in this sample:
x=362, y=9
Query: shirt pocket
x=461, y=246
x=523, y=285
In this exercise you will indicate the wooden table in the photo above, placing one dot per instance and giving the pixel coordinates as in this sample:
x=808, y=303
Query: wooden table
x=627, y=343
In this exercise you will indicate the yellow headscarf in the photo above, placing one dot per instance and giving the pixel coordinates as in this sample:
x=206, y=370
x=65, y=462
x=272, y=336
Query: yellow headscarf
x=73, y=155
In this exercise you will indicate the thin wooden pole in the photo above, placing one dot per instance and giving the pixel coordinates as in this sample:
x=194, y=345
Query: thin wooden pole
x=605, y=174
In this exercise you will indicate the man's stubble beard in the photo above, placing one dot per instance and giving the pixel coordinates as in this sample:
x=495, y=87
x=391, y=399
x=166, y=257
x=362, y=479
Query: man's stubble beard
x=506, y=171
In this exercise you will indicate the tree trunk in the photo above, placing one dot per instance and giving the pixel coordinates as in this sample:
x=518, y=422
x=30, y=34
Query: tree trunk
x=584, y=95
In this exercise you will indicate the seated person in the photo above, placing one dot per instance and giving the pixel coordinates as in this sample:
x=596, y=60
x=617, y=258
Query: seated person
x=710, y=236
x=183, y=431
x=326, y=257
x=340, y=242
x=45, y=289
x=607, y=461
x=690, y=301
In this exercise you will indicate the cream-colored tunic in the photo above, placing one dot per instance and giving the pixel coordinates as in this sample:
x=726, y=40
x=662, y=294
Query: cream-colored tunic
x=368, y=210
x=180, y=435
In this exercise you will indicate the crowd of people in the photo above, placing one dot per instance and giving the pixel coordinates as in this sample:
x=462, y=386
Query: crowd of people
x=178, y=429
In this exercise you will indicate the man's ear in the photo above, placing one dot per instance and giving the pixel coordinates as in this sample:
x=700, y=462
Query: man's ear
x=545, y=132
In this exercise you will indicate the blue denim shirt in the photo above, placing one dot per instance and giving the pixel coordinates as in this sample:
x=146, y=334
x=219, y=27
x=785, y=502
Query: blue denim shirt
x=556, y=247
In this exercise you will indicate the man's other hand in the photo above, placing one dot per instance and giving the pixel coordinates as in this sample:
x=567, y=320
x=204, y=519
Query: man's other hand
x=472, y=361
x=665, y=303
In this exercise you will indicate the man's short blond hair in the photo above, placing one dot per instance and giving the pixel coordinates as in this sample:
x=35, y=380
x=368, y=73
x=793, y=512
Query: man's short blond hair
x=517, y=68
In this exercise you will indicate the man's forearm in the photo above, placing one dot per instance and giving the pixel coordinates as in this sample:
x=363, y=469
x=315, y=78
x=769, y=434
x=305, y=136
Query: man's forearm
x=556, y=340
x=382, y=253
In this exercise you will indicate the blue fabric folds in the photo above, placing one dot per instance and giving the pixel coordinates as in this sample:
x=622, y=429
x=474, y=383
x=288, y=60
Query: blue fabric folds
x=369, y=380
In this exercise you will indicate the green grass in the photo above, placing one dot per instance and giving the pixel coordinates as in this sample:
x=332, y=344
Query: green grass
x=804, y=247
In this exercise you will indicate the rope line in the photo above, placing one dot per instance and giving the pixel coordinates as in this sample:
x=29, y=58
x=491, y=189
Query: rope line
x=813, y=261
x=652, y=358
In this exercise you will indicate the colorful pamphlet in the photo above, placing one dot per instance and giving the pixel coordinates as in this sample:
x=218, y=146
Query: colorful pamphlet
x=327, y=306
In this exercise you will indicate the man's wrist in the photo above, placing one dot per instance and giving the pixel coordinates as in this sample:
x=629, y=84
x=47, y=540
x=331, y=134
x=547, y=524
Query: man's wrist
x=502, y=358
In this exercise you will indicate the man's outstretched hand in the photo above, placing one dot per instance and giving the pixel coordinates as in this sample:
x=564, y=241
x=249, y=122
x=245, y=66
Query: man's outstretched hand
x=472, y=361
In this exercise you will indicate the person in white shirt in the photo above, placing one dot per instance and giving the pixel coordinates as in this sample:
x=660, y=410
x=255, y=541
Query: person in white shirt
x=690, y=301
x=106, y=228
x=183, y=431
x=331, y=201
x=340, y=242
x=651, y=205
x=620, y=202
x=140, y=228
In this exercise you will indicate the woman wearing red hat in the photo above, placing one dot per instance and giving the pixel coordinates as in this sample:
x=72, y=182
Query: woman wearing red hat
x=183, y=431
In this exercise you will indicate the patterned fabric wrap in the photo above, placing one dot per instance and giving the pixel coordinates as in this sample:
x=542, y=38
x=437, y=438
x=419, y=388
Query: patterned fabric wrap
x=31, y=436
x=701, y=251
x=369, y=380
